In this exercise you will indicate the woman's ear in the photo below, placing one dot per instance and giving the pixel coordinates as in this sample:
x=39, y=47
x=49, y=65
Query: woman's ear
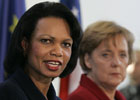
x=87, y=60
x=24, y=45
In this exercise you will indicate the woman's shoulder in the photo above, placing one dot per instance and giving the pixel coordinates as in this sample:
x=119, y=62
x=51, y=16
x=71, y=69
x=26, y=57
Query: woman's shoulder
x=8, y=84
x=10, y=90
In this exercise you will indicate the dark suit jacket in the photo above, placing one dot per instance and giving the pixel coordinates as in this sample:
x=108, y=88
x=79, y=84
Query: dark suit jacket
x=20, y=87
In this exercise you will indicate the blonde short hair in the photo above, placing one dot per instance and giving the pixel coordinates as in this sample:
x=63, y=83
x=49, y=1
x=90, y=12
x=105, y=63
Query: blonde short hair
x=100, y=31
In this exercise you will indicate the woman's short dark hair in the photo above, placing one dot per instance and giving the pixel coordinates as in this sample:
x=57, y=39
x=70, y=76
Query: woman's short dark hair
x=15, y=56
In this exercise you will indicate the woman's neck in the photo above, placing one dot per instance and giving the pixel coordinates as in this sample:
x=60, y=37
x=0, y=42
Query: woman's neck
x=109, y=92
x=42, y=85
x=107, y=89
x=40, y=81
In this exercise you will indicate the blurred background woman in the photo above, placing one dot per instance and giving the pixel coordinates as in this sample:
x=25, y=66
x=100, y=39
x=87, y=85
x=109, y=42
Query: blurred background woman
x=132, y=90
x=106, y=50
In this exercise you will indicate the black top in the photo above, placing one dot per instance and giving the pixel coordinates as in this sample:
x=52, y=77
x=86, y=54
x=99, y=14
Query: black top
x=131, y=92
x=20, y=87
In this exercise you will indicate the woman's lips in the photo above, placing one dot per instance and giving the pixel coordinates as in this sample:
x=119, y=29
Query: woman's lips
x=53, y=65
x=115, y=74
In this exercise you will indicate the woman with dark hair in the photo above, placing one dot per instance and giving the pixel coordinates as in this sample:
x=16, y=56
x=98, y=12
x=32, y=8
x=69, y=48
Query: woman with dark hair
x=43, y=46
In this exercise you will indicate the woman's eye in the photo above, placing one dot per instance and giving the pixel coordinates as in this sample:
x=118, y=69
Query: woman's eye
x=46, y=41
x=105, y=55
x=123, y=55
x=67, y=44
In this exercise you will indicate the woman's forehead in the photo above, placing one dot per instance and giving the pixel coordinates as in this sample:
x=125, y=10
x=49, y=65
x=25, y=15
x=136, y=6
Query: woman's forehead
x=118, y=41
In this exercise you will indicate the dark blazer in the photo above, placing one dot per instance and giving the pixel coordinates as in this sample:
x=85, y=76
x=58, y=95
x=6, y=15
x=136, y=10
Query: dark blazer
x=20, y=87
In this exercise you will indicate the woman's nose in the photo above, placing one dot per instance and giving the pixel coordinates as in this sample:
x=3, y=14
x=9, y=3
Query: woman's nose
x=116, y=61
x=57, y=51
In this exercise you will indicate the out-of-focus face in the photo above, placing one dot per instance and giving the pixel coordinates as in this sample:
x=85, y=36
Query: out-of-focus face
x=50, y=48
x=108, y=62
x=136, y=71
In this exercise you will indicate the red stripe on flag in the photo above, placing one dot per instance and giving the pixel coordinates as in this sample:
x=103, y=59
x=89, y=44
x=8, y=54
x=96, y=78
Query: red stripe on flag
x=64, y=87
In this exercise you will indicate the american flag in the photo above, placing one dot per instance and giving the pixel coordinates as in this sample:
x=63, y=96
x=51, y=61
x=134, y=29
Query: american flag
x=67, y=84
